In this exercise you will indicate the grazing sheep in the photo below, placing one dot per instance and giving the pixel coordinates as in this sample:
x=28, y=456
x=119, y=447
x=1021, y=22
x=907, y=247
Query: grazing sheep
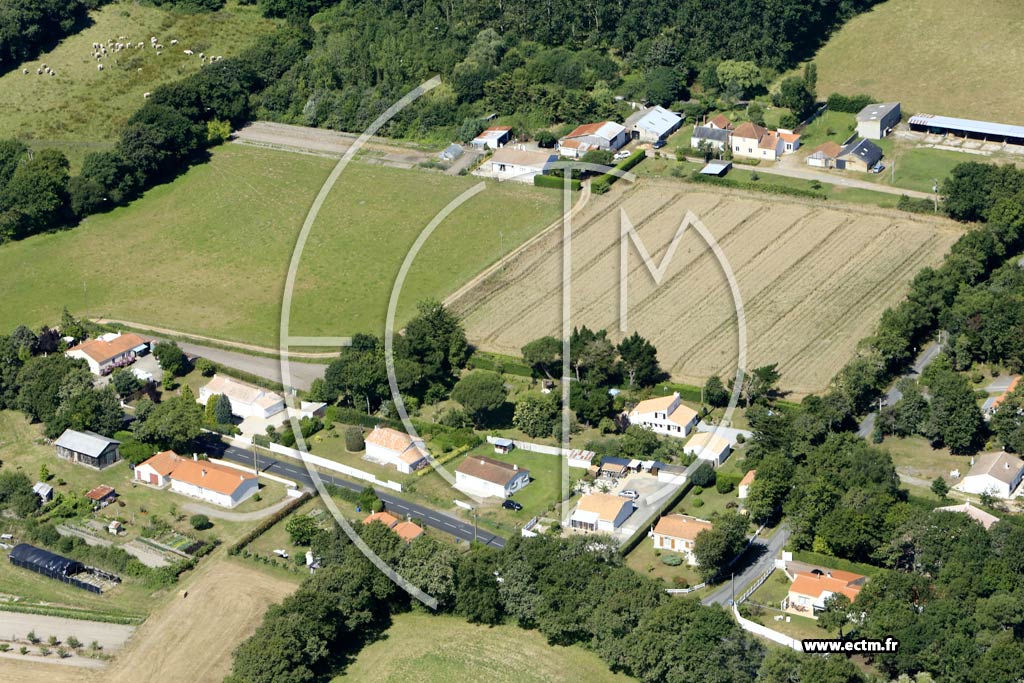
x=159, y=47
x=201, y=55
x=52, y=72
x=188, y=52
x=159, y=53
x=99, y=67
x=39, y=72
x=141, y=45
x=146, y=95
x=174, y=41
x=43, y=65
x=24, y=71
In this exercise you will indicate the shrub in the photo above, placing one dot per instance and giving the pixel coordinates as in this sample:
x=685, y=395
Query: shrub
x=704, y=475
x=724, y=485
x=697, y=503
x=73, y=642
x=849, y=104
x=23, y=650
x=671, y=560
x=4, y=647
x=32, y=637
x=680, y=582
x=44, y=650
x=62, y=652
x=697, y=490
x=205, y=367
x=354, y=439
x=740, y=438
x=200, y=522
x=52, y=640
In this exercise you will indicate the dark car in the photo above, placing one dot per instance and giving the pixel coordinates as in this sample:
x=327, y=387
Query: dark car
x=658, y=144
x=510, y=504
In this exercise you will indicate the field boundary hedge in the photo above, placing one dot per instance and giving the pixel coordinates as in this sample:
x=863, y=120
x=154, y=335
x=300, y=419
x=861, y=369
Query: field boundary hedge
x=270, y=521
x=697, y=177
x=604, y=182
x=556, y=182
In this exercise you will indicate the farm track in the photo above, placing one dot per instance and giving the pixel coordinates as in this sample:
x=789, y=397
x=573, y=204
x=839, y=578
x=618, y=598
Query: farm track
x=814, y=279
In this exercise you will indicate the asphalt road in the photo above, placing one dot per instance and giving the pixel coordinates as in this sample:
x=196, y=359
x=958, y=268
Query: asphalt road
x=398, y=506
x=768, y=551
x=926, y=356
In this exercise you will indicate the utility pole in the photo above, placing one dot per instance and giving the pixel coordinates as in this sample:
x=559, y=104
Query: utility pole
x=255, y=463
x=734, y=589
x=935, y=191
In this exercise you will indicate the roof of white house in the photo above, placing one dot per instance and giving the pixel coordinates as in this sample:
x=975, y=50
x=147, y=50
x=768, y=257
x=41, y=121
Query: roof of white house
x=709, y=441
x=87, y=443
x=605, y=505
x=977, y=514
x=493, y=133
x=202, y=473
x=523, y=157
x=681, y=526
x=682, y=415
x=393, y=440
x=708, y=133
x=1001, y=466
x=657, y=120
x=655, y=405
x=489, y=469
x=242, y=392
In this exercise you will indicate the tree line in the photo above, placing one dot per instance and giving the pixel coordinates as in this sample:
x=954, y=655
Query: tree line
x=574, y=591
x=30, y=26
x=538, y=63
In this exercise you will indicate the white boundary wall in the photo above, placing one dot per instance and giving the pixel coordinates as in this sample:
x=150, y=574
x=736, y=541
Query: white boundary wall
x=765, y=632
x=326, y=464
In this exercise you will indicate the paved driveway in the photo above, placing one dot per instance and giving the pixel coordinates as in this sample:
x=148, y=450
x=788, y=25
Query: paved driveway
x=302, y=374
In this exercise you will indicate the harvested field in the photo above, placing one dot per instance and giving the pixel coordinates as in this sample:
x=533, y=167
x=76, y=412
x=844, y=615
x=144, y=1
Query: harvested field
x=814, y=279
x=225, y=604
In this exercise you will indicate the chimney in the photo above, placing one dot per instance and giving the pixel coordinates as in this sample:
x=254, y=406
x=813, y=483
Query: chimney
x=515, y=467
x=203, y=471
x=195, y=457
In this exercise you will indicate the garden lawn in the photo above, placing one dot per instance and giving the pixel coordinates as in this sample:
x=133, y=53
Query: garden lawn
x=208, y=253
x=423, y=648
x=644, y=560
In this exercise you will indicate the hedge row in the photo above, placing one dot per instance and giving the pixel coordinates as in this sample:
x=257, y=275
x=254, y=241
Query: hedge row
x=603, y=183
x=697, y=177
x=443, y=459
x=849, y=104
x=268, y=522
x=66, y=613
x=556, y=182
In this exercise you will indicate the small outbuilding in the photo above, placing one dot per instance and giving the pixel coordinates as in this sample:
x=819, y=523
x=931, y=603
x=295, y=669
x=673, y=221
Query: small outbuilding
x=717, y=168
x=88, y=448
x=102, y=496
x=502, y=446
x=44, y=491
x=877, y=120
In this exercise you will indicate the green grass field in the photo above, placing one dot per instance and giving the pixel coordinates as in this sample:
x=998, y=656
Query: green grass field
x=82, y=109
x=421, y=648
x=951, y=58
x=208, y=253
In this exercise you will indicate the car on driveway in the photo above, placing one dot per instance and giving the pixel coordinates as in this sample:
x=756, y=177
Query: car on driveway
x=510, y=504
x=619, y=156
x=658, y=144
x=629, y=493
x=878, y=168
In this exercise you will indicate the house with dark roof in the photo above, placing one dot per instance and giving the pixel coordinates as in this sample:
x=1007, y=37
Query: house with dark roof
x=716, y=138
x=485, y=477
x=860, y=155
x=88, y=448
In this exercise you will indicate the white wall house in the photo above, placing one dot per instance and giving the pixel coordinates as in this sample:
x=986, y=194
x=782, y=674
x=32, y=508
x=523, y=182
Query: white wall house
x=246, y=400
x=485, y=477
x=757, y=142
x=743, y=490
x=386, y=446
x=203, y=480
x=520, y=165
x=109, y=351
x=664, y=415
x=601, y=512
x=677, y=533
x=998, y=474
x=709, y=446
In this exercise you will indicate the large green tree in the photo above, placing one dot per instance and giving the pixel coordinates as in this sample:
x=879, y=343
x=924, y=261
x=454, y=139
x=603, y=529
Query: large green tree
x=715, y=548
x=174, y=423
x=639, y=361
x=480, y=392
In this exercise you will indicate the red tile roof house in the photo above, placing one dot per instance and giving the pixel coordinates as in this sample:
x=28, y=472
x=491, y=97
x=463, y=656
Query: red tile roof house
x=810, y=590
x=406, y=530
x=109, y=351
x=757, y=142
x=676, y=533
x=386, y=446
x=606, y=135
x=202, y=479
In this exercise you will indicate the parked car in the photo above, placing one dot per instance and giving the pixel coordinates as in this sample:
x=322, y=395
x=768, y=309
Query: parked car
x=878, y=168
x=510, y=504
x=629, y=493
x=658, y=145
x=619, y=156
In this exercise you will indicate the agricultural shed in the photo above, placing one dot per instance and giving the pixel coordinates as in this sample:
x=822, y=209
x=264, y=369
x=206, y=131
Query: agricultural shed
x=50, y=564
x=968, y=128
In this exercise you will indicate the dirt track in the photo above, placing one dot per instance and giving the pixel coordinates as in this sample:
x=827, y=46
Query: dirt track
x=187, y=639
x=814, y=278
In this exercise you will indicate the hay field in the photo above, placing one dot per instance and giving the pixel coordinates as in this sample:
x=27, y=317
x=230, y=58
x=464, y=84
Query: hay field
x=814, y=279
x=953, y=58
x=423, y=648
x=82, y=109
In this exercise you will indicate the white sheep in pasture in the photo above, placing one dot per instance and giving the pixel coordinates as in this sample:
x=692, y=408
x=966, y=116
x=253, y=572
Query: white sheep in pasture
x=159, y=53
x=146, y=95
x=159, y=46
x=39, y=72
x=174, y=41
x=24, y=71
x=140, y=45
x=188, y=52
x=99, y=67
